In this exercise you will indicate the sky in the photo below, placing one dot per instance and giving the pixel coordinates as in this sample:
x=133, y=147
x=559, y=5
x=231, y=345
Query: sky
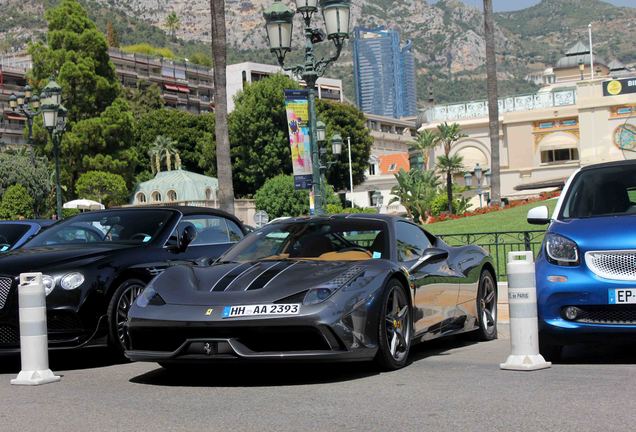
x=508, y=5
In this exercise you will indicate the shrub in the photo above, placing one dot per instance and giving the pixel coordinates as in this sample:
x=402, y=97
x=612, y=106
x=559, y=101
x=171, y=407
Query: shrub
x=16, y=203
x=440, y=205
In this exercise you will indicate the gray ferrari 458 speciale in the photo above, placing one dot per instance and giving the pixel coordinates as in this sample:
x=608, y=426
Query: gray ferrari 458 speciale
x=339, y=288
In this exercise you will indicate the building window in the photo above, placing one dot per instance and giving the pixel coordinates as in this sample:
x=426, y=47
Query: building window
x=560, y=155
x=372, y=169
x=172, y=195
x=392, y=167
x=208, y=194
x=156, y=196
x=141, y=198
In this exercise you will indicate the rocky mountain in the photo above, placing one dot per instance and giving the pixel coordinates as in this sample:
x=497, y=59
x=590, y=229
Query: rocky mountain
x=447, y=36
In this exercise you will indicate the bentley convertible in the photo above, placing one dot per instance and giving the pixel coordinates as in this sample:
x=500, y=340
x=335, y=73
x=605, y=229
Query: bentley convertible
x=356, y=287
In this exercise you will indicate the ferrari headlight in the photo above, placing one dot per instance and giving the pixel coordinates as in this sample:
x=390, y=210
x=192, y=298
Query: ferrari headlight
x=324, y=291
x=561, y=250
x=149, y=297
x=71, y=281
x=49, y=284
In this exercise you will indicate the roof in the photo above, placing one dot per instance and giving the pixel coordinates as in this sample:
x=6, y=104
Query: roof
x=571, y=61
x=609, y=164
x=577, y=48
x=189, y=186
x=393, y=162
x=616, y=65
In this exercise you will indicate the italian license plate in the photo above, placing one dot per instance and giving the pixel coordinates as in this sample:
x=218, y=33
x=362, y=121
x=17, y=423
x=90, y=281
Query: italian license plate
x=622, y=296
x=259, y=310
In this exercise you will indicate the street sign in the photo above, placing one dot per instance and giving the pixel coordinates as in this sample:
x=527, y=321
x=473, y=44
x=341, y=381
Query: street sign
x=261, y=218
x=619, y=87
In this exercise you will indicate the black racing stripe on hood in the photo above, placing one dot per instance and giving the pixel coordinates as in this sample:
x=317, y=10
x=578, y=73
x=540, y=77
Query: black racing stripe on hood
x=229, y=277
x=269, y=274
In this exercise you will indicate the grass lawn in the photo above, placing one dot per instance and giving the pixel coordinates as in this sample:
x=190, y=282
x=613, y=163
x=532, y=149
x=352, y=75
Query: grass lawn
x=513, y=219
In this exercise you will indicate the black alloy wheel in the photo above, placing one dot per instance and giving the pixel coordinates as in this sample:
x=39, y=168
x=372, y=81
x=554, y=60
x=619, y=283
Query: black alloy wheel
x=487, y=307
x=118, y=308
x=395, y=327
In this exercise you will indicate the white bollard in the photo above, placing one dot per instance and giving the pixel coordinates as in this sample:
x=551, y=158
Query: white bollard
x=522, y=301
x=34, y=349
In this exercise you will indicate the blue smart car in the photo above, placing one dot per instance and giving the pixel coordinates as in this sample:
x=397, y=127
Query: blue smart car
x=586, y=270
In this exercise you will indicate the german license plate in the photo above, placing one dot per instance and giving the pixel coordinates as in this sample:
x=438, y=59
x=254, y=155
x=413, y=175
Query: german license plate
x=622, y=296
x=259, y=310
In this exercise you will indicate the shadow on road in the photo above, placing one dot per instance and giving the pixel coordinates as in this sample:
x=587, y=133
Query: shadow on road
x=606, y=353
x=86, y=358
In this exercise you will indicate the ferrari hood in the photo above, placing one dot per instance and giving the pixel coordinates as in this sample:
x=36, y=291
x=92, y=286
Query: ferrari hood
x=253, y=282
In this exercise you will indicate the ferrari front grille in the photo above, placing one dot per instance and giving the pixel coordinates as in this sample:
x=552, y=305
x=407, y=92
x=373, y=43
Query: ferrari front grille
x=614, y=265
x=607, y=314
x=5, y=289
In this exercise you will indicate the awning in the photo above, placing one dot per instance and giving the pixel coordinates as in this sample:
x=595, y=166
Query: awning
x=553, y=183
x=171, y=87
x=183, y=89
x=14, y=116
x=558, y=141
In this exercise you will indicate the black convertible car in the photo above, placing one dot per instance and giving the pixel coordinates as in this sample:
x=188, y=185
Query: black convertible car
x=13, y=234
x=352, y=287
x=96, y=263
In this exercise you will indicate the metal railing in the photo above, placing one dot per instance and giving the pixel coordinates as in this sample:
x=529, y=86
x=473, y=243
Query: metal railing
x=498, y=244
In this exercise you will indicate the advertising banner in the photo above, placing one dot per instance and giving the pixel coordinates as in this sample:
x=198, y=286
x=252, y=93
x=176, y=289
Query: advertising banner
x=619, y=87
x=297, y=107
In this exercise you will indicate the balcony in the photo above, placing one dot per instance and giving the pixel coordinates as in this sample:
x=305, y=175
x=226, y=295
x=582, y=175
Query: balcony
x=479, y=109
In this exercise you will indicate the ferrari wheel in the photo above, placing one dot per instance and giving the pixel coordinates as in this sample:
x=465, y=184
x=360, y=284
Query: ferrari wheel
x=487, y=307
x=395, y=327
x=118, y=308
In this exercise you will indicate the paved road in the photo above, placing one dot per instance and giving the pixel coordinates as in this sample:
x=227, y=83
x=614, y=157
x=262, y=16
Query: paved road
x=450, y=385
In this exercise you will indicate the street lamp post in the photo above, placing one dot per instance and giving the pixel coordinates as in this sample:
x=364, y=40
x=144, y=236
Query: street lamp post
x=279, y=24
x=581, y=68
x=54, y=116
x=28, y=104
x=350, y=170
x=479, y=176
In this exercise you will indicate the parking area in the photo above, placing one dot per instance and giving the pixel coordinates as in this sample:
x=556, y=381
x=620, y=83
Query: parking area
x=452, y=384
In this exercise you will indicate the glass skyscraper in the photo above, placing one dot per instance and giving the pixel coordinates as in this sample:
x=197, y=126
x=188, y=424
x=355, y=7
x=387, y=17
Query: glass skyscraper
x=384, y=73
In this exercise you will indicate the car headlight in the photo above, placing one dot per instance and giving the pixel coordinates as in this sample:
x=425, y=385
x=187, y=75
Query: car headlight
x=149, y=297
x=49, y=283
x=324, y=291
x=71, y=281
x=561, y=250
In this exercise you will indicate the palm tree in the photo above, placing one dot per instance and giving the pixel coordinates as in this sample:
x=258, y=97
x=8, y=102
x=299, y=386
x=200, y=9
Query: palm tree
x=161, y=148
x=415, y=191
x=173, y=23
x=425, y=142
x=219, y=54
x=493, y=105
x=449, y=134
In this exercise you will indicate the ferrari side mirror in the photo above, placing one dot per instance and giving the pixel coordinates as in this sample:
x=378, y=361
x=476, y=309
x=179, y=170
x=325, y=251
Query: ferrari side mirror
x=430, y=256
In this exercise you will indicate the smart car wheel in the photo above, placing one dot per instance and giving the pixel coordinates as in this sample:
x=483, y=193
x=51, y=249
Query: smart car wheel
x=118, y=308
x=395, y=327
x=487, y=307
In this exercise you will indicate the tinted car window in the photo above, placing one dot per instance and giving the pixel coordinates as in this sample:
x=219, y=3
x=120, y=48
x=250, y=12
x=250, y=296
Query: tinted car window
x=411, y=241
x=601, y=191
x=125, y=226
x=315, y=239
x=212, y=229
x=10, y=234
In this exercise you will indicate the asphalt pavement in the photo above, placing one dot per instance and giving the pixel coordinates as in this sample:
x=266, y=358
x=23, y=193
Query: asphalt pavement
x=450, y=385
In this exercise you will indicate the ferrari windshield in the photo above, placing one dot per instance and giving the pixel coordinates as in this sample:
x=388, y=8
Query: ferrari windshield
x=348, y=239
x=119, y=226
x=10, y=233
x=609, y=190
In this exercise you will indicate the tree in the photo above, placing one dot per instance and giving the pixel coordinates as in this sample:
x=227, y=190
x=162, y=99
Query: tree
x=426, y=141
x=173, y=23
x=162, y=148
x=449, y=134
x=17, y=168
x=193, y=137
x=77, y=54
x=415, y=190
x=144, y=98
x=219, y=55
x=104, y=187
x=258, y=127
x=348, y=121
x=16, y=203
x=279, y=198
x=493, y=104
x=450, y=165
x=260, y=138
x=111, y=35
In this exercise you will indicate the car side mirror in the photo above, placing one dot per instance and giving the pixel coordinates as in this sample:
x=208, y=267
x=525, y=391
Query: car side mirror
x=430, y=256
x=539, y=215
x=185, y=236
